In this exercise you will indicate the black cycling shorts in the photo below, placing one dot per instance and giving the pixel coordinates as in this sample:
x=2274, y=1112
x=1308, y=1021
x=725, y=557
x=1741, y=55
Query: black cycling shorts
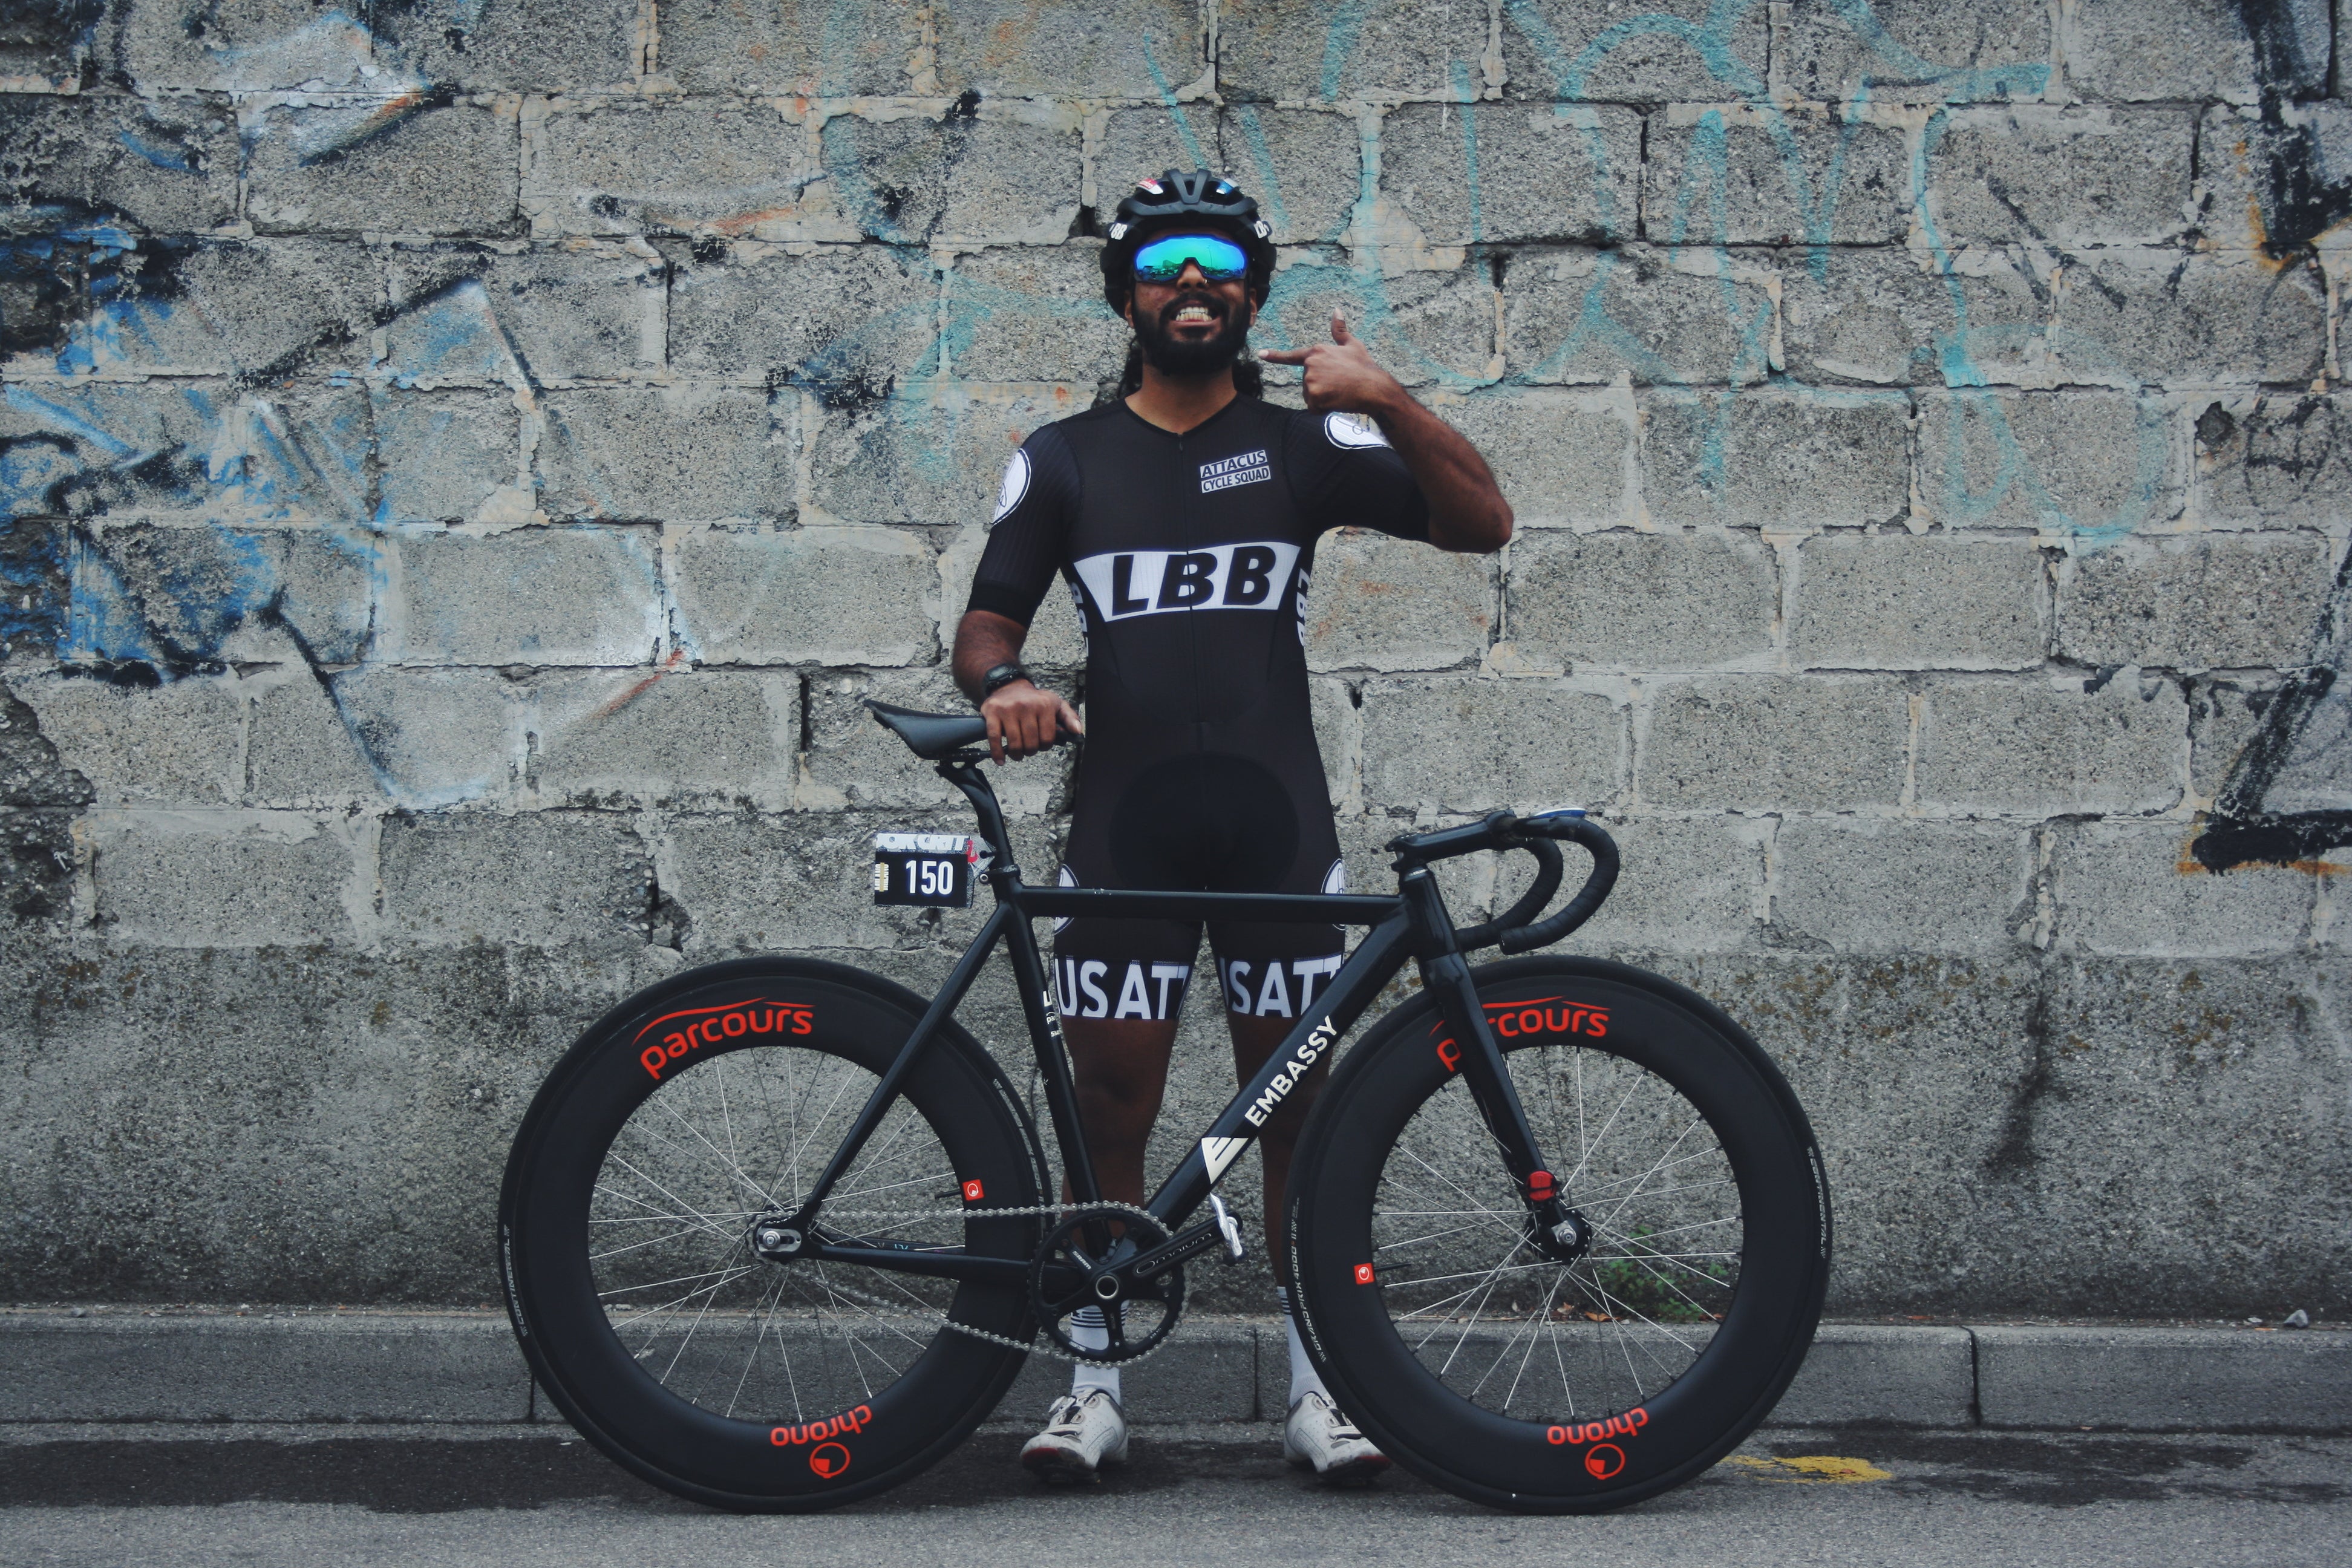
x=1201, y=821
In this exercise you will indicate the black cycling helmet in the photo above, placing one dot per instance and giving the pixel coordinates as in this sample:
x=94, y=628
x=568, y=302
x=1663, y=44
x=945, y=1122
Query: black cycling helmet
x=1178, y=200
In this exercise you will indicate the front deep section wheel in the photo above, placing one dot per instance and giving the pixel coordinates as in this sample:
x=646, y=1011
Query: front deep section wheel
x=1506, y=1366
x=701, y=1111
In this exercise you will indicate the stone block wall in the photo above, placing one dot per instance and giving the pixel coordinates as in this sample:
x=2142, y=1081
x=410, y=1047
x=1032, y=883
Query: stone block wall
x=464, y=463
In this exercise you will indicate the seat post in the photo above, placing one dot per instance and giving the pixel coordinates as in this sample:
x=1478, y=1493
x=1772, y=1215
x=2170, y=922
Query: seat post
x=967, y=777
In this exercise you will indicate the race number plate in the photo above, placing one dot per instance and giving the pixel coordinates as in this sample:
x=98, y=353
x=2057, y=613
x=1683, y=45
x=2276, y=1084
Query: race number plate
x=933, y=869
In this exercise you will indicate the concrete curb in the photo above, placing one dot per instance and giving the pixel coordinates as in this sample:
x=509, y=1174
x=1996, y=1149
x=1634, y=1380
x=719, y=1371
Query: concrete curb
x=464, y=1369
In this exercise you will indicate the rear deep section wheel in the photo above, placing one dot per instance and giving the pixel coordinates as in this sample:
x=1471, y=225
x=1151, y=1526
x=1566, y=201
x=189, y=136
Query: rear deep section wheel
x=1546, y=1378
x=700, y=1111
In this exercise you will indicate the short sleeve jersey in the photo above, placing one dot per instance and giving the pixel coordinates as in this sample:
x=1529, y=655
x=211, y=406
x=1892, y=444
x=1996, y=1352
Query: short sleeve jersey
x=1190, y=557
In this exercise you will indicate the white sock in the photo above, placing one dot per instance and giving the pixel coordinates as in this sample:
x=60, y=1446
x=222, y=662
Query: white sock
x=1302, y=1371
x=1089, y=1332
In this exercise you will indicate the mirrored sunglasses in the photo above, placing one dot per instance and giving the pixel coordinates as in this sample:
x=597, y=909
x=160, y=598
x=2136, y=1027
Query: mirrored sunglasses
x=1162, y=261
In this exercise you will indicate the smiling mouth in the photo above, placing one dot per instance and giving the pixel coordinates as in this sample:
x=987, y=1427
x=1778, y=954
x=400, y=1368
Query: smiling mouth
x=1194, y=315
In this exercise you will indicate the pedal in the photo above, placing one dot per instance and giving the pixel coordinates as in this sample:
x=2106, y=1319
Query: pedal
x=1227, y=1229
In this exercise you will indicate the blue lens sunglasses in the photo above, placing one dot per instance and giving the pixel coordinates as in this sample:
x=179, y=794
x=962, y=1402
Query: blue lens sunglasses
x=1219, y=259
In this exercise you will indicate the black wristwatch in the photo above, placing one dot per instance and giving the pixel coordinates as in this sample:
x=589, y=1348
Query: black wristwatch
x=1002, y=674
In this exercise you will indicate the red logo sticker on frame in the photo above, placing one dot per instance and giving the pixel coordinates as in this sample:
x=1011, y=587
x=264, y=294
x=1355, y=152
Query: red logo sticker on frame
x=971, y=1191
x=1363, y=1273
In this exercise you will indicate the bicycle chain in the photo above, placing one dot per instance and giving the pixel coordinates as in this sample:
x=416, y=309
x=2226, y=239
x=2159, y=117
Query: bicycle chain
x=1043, y=1342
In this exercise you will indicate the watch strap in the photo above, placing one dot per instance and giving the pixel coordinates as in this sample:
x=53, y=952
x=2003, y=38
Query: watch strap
x=1001, y=676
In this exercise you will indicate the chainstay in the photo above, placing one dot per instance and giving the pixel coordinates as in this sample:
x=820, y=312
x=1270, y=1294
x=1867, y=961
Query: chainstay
x=1041, y=1343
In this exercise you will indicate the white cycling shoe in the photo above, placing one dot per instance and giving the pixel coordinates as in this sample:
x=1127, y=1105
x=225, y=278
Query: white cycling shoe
x=1083, y=1433
x=1318, y=1434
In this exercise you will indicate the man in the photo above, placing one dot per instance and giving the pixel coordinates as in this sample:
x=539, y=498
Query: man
x=1184, y=516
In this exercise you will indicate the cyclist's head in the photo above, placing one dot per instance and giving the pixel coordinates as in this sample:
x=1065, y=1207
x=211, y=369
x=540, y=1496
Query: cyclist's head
x=1195, y=242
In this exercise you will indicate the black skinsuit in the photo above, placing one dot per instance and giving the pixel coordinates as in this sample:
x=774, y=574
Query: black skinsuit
x=1189, y=556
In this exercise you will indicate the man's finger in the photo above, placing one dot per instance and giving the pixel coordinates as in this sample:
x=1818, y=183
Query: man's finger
x=1071, y=722
x=995, y=735
x=1340, y=333
x=1285, y=357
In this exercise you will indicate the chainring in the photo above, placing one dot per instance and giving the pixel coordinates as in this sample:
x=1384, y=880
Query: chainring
x=1087, y=1241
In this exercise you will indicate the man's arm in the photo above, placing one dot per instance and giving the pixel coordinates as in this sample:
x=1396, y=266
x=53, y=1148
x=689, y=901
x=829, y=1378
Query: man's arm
x=1023, y=719
x=1467, y=511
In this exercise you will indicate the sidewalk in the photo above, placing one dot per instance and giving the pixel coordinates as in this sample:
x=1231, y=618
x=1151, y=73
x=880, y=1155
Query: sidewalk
x=462, y=1368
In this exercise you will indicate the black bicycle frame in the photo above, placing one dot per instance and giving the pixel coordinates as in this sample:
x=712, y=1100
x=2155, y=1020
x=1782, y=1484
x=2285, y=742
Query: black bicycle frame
x=1411, y=924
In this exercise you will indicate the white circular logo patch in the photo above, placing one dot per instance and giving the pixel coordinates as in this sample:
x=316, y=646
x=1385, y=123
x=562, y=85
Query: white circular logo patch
x=1015, y=486
x=1351, y=430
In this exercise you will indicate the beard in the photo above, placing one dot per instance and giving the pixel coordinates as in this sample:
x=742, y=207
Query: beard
x=1174, y=356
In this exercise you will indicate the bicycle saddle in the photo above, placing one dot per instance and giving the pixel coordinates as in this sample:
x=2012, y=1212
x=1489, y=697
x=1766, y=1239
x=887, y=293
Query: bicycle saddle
x=931, y=736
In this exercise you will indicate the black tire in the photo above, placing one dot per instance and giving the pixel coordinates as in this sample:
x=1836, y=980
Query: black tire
x=1521, y=1382
x=623, y=1237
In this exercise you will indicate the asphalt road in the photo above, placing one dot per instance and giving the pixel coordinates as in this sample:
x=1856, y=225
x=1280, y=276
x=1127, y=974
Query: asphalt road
x=526, y=1496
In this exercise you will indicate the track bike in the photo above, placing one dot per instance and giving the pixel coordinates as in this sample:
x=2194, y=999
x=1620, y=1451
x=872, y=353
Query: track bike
x=777, y=1233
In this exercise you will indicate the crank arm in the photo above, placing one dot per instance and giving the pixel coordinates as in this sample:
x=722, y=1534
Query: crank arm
x=1190, y=1242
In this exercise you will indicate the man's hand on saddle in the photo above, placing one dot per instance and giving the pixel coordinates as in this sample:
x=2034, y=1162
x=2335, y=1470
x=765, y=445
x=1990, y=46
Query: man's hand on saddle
x=1342, y=376
x=1024, y=719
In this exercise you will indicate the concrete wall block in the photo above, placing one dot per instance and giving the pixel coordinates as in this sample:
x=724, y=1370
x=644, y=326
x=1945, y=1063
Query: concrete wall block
x=2061, y=745
x=1666, y=317
x=166, y=165
x=2255, y=165
x=931, y=453
x=563, y=595
x=601, y=166
x=2183, y=1380
x=1339, y=741
x=1303, y=165
x=2126, y=50
x=1685, y=885
x=616, y=737
x=1819, y=460
x=2094, y=176
x=2095, y=463
x=672, y=452
x=2224, y=717
x=441, y=171
x=2167, y=1093
x=1544, y=44
x=803, y=882
x=1918, y=601
x=444, y=457
x=1491, y=172
x=255, y=308
x=570, y=310
x=1390, y=48
x=222, y=879
x=1774, y=743
x=543, y=878
x=1562, y=458
x=845, y=321
x=2276, y=460
x=1390, y=604
x=2128, y=316
x=2130, y=889
x=1424, y=327
x=1030, y=313
x=173, y=744
x=2212, y=601
x=181, y=593
x=299, y=749
x=718, y=46
x=1477, y=744
x=429, y=737
x=1896, y=317
x=1909, y=1102
x=1642, y=601
x=1863, y=886
x=989, y=179
x=1136, y=143
x=334, y=1143
x=1132, y=48
x=515, y=45
x=852, y=762
x=1999, y=49
x=1780, y=176
x=256, y=45
x=825, y=596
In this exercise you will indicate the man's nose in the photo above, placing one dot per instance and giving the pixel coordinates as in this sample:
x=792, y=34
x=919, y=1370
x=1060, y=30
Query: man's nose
x=1192, y=274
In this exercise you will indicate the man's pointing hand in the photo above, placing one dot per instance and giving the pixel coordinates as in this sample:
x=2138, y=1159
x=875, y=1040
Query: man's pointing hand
x=1341, y=374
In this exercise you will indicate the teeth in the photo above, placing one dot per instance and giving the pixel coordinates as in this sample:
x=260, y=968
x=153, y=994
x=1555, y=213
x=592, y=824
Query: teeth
x=1193, y=313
